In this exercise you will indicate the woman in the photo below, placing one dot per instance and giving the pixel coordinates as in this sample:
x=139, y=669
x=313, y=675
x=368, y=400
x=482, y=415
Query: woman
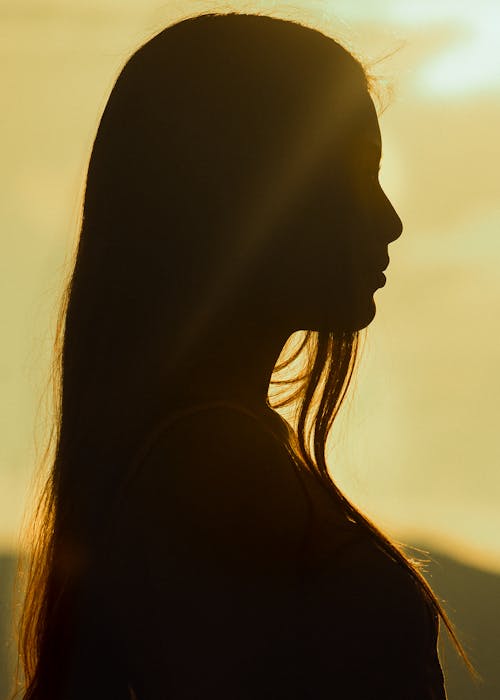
x=191, y=543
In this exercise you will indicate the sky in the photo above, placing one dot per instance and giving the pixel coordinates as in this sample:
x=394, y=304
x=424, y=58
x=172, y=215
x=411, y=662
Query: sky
x=417, y=444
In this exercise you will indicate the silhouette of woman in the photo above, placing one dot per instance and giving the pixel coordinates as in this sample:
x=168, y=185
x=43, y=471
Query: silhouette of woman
x=191, y=542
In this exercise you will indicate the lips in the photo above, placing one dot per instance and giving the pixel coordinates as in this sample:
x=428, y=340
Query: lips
x=381, y=279
x=374, y=274
x=380, y=275
x=377, y=270
x=377, y=276
x=376, y=267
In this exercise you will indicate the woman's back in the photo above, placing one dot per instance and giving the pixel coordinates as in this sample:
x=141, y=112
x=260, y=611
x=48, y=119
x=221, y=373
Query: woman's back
x=218, y=588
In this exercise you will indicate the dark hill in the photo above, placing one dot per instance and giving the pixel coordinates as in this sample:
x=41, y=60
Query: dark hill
x=472, y=599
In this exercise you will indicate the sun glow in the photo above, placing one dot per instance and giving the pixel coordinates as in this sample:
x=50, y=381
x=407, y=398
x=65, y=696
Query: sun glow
x=471, y=62
x=467, y=63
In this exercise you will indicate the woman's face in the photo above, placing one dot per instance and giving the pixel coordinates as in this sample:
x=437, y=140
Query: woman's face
x=342, y=246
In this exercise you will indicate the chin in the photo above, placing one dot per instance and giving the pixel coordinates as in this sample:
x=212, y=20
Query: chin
x=365, y=319
x=351, y=319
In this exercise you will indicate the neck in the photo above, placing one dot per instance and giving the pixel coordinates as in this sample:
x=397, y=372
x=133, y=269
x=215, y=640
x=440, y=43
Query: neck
x=234, y=367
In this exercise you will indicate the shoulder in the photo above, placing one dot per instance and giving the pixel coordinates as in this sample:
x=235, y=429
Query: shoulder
x=237, y=427
x=221, y=444
x=216, y=485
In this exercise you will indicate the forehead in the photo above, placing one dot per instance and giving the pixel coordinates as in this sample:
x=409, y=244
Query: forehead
x=353, y=120
x=353, y=127
x=368, y=127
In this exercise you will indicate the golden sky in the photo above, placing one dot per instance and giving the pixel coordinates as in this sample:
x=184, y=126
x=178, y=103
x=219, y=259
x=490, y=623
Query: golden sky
x=418, y=445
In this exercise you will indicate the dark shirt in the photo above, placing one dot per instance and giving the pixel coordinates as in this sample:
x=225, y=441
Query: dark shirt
x=216, y=583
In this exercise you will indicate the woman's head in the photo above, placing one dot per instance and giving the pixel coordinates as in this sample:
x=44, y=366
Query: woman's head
x=229, y=168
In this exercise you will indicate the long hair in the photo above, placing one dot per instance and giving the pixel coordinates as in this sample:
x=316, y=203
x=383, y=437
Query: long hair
x=212, y=114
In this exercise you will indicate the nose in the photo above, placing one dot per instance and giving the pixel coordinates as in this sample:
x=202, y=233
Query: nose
x=398, y=228
x=393, y=224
